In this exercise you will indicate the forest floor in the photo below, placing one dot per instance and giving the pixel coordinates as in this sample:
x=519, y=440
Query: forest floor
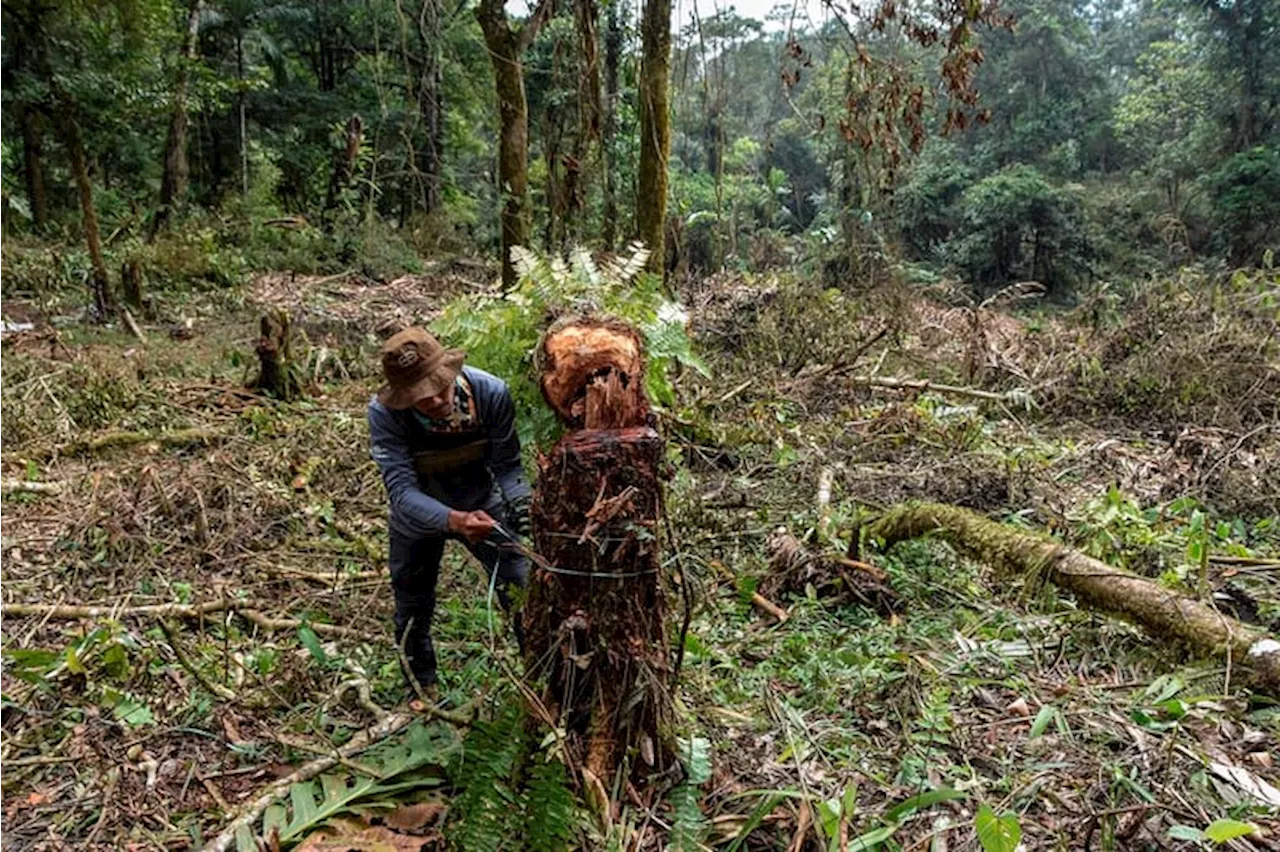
x=838, y=728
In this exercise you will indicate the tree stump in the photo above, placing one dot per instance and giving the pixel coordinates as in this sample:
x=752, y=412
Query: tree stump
x=596, y=638
x=277, y=373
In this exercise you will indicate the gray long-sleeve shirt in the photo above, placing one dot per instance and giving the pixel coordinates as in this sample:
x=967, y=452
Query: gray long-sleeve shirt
x=420, y=503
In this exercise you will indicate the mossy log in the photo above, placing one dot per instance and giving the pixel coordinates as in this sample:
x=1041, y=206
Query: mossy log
x=596, y=639
x=1164, y=613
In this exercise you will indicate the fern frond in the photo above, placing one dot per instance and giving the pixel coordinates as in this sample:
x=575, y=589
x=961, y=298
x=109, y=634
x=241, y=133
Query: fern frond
x=552, y=811
x=488, y=806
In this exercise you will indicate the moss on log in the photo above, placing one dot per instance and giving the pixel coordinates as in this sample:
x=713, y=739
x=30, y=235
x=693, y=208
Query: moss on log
x=1166, y=614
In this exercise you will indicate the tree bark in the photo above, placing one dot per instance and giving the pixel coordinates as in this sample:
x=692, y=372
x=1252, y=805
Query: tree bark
x=173, y=184
x=581, y=167
x=344, y=163
x=1163, y=612
x=430, y=106
x=595, y=621
x=655, y=129
x=506, y=51
x=612, y=59
x=33, y=166
x=277, y=373
x=103, y=298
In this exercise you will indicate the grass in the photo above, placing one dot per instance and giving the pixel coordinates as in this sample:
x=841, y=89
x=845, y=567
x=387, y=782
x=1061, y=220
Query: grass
x=999, y=690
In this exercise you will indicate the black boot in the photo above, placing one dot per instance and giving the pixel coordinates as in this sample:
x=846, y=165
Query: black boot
x=418, y=663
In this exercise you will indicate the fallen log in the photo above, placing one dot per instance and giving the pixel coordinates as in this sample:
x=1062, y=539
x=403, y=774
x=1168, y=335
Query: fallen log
x=1163, y=612
x=596, y=638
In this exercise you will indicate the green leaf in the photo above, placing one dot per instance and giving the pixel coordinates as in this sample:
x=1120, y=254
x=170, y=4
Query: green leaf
x=133, y=713
x=1043, y=718
x=1186, y=832
x=1222, y=830
x=697, y=759
x=919, y=802
x=872, y=839
x=997, y=833
x=311, y=642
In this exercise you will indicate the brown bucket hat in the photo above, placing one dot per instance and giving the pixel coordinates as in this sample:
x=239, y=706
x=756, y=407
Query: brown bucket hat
x=416, y=367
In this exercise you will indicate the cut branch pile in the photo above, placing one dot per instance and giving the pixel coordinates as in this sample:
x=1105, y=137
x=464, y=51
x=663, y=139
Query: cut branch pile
x=1165, y=613
x=794, y=568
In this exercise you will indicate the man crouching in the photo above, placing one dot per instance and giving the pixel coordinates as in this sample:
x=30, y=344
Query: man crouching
x=444, y=438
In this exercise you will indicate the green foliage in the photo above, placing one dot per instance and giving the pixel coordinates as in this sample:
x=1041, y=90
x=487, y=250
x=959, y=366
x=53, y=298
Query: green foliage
x=997, y=833
x=412, y=761
x=1019, y=227
x=551, y=815
x=487, y=770
x=688, y=823
x=500, y=331
x=1246, y=202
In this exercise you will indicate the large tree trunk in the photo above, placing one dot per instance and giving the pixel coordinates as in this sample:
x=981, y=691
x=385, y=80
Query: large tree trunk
x=581, y=167
x=103, y=298
x=344, y=163
x=655, y=129
x=430, y=106
x=595, y=621
x=612, y=59
x=506, y=51
x=33, y=166
x=1163, y=612
x=173, y=184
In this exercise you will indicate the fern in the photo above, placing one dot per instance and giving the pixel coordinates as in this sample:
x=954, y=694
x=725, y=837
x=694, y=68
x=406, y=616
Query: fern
x=500, y=330
x=411, y=762
x=488, y=808
x=688, y=823
x=552, y=815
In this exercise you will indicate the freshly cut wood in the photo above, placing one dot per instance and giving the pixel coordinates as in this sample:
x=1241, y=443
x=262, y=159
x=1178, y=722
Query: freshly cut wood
x=596, y=637
x=1163, y=612
x=593, y=373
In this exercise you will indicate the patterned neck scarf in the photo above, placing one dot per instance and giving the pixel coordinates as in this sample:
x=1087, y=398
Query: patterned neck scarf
x=463, y=416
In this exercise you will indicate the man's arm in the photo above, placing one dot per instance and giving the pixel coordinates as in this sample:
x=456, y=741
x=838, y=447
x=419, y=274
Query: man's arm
x=419, y=512
x=504, y=444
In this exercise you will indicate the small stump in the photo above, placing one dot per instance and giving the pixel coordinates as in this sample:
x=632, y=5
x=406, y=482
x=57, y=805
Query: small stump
x=595, y=623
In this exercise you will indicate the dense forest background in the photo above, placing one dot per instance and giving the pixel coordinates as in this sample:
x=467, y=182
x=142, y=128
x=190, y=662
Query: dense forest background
x=1109, y=140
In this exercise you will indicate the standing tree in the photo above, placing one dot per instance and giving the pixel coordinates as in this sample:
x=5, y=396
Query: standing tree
x=655, y=129
x=173, y=184
x=507, y=45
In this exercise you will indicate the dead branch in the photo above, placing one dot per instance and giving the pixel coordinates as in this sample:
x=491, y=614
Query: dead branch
x=186, y=662
x=13, y=486
x=113, y=440
x=1161, y=611
x=758, y=600
x=133, y=325
x=1019, y=398
x=184, y=611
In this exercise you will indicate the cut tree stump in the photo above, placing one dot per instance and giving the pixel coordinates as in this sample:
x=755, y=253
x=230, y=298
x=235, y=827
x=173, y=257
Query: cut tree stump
x=277, y=372
x=1163, y=612
x=596, y=637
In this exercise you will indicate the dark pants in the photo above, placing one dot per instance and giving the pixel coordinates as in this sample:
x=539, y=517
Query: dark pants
x=415, y=569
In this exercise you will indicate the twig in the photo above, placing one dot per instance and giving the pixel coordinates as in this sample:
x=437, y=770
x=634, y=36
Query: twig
x=176, y=438
x=186, y=662
x=247, y=611
x=11, y=486
x=361, y=741
x=1020, y=397
x=760, y=601
x=133, y=325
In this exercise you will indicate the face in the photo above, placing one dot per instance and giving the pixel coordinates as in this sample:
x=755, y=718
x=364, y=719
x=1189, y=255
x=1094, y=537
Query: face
x=437, y=407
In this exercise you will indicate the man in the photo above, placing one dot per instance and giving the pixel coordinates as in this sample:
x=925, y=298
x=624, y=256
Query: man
x=444, y=438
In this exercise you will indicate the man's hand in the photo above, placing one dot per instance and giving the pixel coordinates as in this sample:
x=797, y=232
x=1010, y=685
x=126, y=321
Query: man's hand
x=473, y=526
